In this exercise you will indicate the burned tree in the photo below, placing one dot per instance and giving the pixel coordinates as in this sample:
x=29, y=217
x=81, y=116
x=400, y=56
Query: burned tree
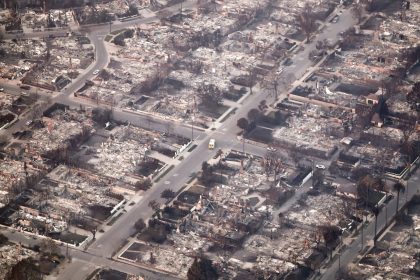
x=272, y=163
x=357, y=10
x=413, y=97
x=306, y=21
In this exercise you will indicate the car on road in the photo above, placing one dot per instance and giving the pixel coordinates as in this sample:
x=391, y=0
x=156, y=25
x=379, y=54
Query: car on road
x=1, y=89
x=212, y=144
x=288, y=62
x=320, y=166
x=29, y=122
x=280, y=70
x=25, y=87
x=335, y=19
x=96, y=72
x=271, y=149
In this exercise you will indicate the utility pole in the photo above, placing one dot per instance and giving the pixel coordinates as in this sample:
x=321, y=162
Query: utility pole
x=67, y=251
x=181, y=9
x=339, y=262
x=362, y=234
x=192, y=129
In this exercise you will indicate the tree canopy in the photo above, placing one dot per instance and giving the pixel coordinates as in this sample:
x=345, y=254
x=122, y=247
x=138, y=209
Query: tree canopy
x=202, y=269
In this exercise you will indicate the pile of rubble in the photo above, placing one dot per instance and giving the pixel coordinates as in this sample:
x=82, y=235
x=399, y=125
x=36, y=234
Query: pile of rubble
x=10, y=255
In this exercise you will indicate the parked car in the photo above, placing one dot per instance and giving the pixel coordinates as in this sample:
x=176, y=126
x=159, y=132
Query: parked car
x=320, y=166
x=335, y=19
x=25, y=87
x=288, y=62
x=96, y=72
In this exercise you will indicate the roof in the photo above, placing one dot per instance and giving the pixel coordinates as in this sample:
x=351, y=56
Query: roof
x=373, y=97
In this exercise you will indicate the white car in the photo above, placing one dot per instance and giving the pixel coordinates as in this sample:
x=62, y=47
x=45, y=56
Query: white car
x=96, y=72
x=271, y=149
x=320, y=166
x=1, y=89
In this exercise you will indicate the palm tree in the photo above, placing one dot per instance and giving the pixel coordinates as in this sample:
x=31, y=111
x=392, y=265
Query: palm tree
x=398, y=187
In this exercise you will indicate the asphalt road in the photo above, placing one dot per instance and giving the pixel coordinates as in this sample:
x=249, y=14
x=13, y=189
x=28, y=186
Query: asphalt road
x=225, y=138
x=104, y=247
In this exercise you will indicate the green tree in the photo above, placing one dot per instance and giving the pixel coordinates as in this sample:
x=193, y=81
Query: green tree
x=206, y=173
x=242, y=123
x=167, y=193
x=254, y=115
x=202, y=270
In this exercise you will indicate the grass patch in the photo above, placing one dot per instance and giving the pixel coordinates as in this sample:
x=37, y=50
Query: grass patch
x=213, y=112
x=164, y=173
x=108, y=38
x=69, y=237
x=192, y=148
x=114, y=219
x=228, y=115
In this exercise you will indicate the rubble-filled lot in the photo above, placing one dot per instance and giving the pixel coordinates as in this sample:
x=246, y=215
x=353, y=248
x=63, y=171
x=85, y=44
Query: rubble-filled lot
x=11, y=254
x=51, y=63
x=160, y=257
x=309, y=129
x=14, y=175
x=20, y=56
x=134, y=148
x=232, y=208
x=65, y=57
x=364, y=155
x=69, y=203
x=55, y=135
x=206, y=52
x=77, y=199
x=6, y=101
x=37, y=21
